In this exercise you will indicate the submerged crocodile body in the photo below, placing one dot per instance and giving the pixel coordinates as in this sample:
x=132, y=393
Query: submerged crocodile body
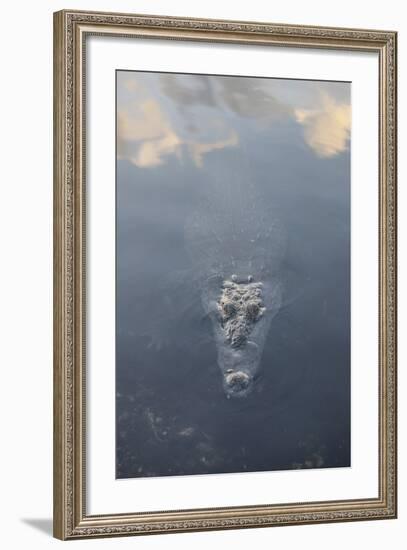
x=236, y=247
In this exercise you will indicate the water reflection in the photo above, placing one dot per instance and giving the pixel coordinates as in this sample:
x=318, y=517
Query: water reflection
x=179, y=138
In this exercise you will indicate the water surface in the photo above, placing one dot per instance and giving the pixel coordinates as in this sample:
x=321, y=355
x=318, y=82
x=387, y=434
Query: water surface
x=176, y=135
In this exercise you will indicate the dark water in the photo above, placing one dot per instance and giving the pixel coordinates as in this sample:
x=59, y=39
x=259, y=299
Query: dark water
x=173, y=417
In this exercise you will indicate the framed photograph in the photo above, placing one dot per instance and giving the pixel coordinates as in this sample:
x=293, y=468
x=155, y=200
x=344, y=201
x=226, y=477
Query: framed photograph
x=225, y=274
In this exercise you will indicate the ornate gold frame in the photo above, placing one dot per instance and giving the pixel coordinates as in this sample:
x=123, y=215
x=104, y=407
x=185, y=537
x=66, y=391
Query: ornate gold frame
x=70, y=31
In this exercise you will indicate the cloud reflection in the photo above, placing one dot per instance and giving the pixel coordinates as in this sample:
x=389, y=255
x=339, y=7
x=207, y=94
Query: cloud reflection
x=198, y=150
x=145, y=137
x=190, y=116
x=144, y=134
x=326, y=129
x=250, y=97
x=186, y=91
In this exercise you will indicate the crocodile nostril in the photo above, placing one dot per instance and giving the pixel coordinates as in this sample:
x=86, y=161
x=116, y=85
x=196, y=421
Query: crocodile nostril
x=237, y=382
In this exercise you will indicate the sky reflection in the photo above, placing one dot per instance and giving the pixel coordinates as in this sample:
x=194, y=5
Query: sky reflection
x=163, y=115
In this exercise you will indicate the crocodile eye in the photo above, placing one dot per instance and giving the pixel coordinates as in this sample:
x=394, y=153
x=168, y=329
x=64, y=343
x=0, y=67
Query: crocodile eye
x=229, y=309
x=252, y=310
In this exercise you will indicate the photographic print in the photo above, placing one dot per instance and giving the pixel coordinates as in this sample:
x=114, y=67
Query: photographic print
x=232, y=274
